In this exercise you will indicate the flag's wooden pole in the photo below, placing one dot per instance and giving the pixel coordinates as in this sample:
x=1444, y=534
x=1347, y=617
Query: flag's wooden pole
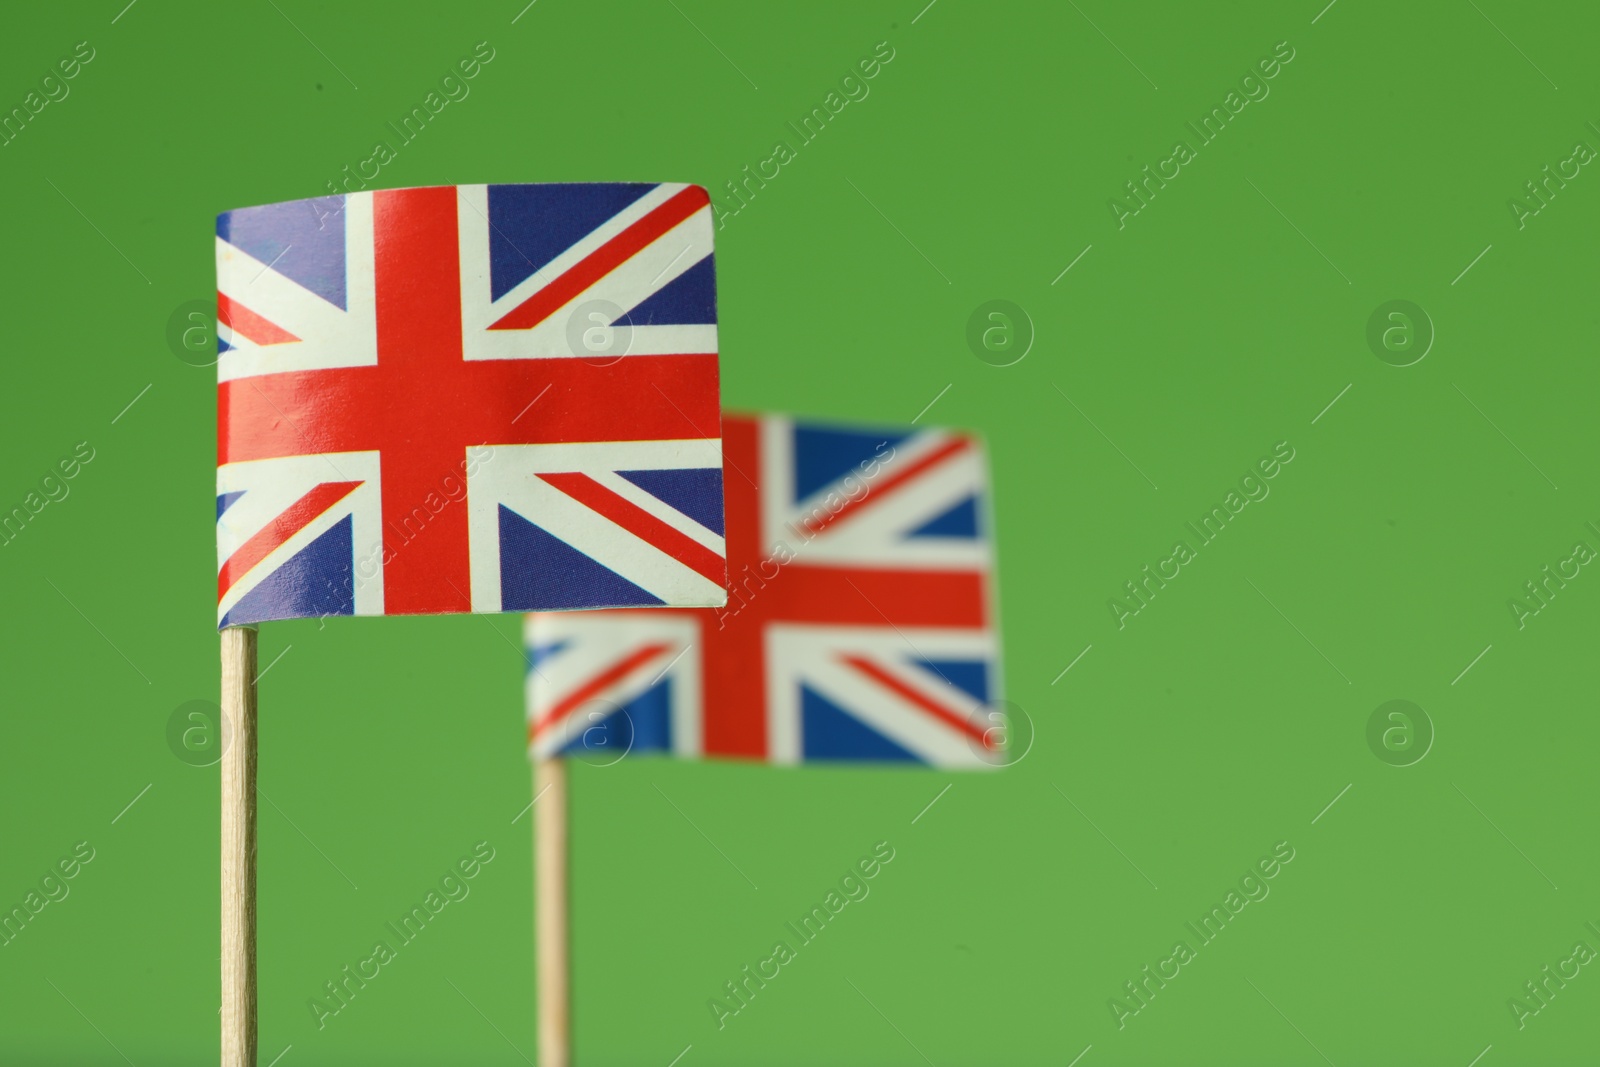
x=239, y=847
x=550, y=912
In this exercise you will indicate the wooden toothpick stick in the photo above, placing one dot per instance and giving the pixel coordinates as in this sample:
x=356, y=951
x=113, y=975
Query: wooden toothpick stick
x=239, y=847
x=551, y=921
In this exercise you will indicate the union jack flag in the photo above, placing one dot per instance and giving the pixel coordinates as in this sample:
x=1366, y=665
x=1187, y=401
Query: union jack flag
x=468, y=398
x=859, y=626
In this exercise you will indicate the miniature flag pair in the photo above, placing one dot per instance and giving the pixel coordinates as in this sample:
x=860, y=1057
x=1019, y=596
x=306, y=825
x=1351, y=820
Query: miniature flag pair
x=504, y=398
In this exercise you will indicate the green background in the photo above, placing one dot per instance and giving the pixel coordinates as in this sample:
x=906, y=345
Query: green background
x=1221, y=720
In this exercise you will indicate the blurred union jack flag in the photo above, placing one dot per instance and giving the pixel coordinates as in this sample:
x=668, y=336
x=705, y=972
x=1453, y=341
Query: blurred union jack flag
x=859, y=623
x=468, y=398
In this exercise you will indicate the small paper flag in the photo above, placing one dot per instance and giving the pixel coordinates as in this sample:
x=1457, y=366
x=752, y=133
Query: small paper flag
x=468, y=398
x=859, y=623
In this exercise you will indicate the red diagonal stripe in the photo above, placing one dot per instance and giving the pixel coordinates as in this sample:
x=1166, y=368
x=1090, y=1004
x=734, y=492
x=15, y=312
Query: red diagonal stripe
x=297, y=517
x=943, y=714
x=643, y=525
x=603, y=260
x=252, y=327
x=614, y=673
x=877, y=489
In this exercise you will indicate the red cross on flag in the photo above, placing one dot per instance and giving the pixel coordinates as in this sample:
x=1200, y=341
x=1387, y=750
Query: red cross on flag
x=468, y=398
